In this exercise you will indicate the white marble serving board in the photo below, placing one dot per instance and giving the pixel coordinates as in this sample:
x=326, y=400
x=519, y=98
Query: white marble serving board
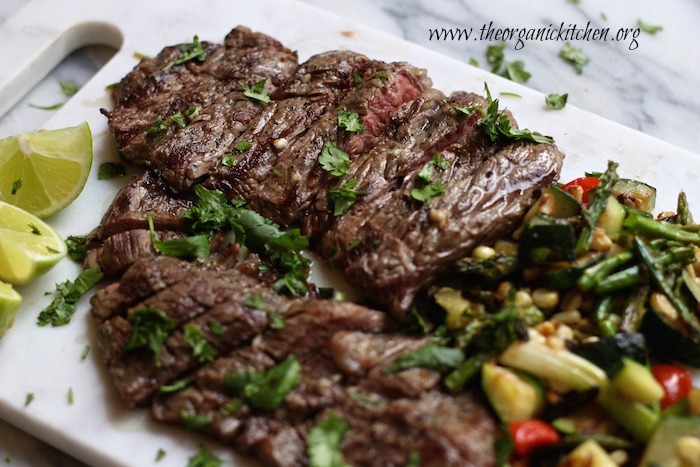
x=47, y=361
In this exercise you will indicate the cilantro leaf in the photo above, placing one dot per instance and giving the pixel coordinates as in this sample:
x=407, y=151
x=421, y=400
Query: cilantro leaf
x=515, y=71
x=77, y=247
x=575, y=56
x=350, y=121
x=193, y=51
x=496, y=124
x=276, y=321
x=257, y=91
x=203, y=351
x=324, y=440
x=196, y=246
x=204, y=458
x=176, y=386
x=109, y=170
x=334, y=160
x=62, y=308
x=265, y=390
x=47, y=107
x=151, y=329
x=229, y=160
x=495, y=56
x=255, y=301
x=649, y=28
x=158, y=130
x=556, y=101
x=212, y=212
x=241, y=146
x=344, y=197
x=178, y=119
x=429, y=356
x=425, y=193
x=68, y=87
x=195, y=421
x=16, y=185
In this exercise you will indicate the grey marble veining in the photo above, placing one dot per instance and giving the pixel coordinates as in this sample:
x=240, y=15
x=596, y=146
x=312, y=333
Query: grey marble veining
x=652, y=89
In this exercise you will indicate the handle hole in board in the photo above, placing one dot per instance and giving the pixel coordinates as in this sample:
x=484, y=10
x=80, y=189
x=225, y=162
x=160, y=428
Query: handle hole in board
x=77, y=55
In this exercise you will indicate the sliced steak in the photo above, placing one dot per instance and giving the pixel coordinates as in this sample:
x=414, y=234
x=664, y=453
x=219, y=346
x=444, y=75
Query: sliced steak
x=295, y=114
x=387, y=421
x=390, y=245
x=156, y=90
x=226, y=308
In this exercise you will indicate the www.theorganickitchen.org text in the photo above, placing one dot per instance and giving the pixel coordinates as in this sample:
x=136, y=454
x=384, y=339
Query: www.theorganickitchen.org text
x=520, y=35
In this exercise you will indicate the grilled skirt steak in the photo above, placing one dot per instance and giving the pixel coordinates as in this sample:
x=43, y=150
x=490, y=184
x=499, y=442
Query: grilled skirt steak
x=207, y=93
x=217, y=327
x=343, y=350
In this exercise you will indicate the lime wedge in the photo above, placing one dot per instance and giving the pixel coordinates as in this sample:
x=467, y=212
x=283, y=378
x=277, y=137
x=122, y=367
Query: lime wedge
x=29, y=247
x=44, y=171
x=10, y=301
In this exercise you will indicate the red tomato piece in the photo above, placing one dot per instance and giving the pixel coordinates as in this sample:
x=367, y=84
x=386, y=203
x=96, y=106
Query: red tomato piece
x=676, y=381
x=530, y=435
x=586, y=183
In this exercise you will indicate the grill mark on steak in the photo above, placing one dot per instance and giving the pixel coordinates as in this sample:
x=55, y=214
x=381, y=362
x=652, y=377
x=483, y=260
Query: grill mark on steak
x=152, y=92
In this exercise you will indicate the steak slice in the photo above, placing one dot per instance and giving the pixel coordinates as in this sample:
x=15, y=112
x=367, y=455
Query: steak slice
x=343, y=367
x=156, y=91
x=215, y=304
x=294, y=115
x=390, y=245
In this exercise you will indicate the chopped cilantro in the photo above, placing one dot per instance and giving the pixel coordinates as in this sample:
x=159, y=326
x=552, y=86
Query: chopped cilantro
x=495, y=56
x=256, y=92
x=47, y=107
x=193, y=51
x=556, y=101
x=344, y=197
x=109, y=170
x=158, y=130
x=229, y=160
x=213, y=211
x=68, y=87
x=357, y=78
x=575, y=56
x=204, y=458
x=29, y=398
x=16, y=185
x=497, y=125
x=413, y=459
x=178, y=119
x=62, y=308
x=241, y=146
x=649, y=28
x=473, y=62
x=216, y=328
x=176, y=386
x=34, y=229
x=382, y=75
x=324, y=440
x=160, y=455
x=255, y=301
x=510, y=94
x=429, y=356
x=515, y=71
x=350, y=121
x=425, y=193
x=265, y=390
x=196, y=246
x=77, y=247
x=202, y=350
x=334, y=160
x=194, y=421
x=84, y=354
x=276, y=321
x=151, y=329
x=69, y=396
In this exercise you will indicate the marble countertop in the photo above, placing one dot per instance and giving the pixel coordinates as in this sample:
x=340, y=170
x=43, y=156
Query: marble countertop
x=652, y=88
